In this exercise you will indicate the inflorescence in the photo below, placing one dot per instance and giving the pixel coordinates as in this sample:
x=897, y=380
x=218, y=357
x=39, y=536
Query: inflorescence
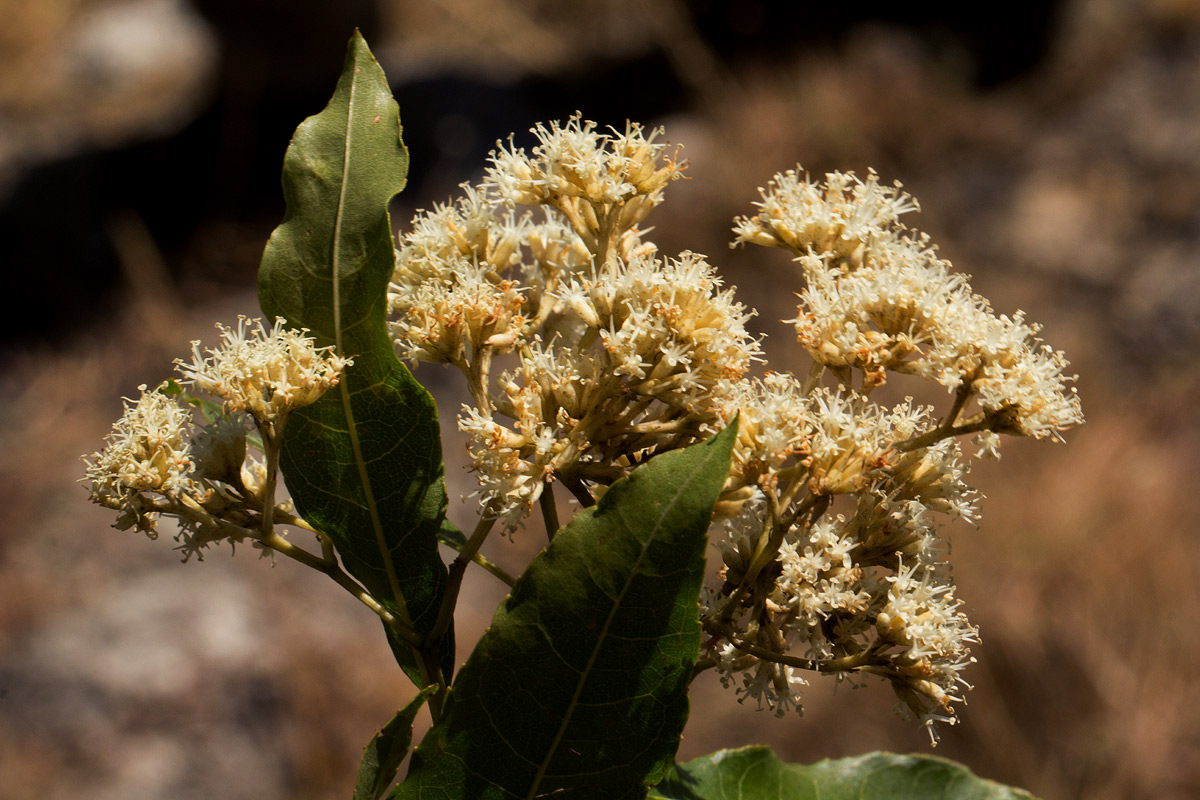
x=587, y=352
x=158, y=461
x=832, y=557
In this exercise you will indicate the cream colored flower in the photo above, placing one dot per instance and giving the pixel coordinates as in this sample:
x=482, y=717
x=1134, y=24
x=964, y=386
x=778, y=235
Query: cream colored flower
x=575, y=160
x=148, y=451
x=833, y=550
x=834, y=219
x=266, y=373
x=923, y=619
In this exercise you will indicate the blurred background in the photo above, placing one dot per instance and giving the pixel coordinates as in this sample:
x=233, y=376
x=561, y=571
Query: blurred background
x=1055, y=150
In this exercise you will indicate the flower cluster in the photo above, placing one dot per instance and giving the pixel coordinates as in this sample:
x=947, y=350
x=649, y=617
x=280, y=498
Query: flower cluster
x=838, y=217
x=877, y=298
x=587, y=352
x=833, y=559
x=620, y=353
x=147, y=452
x=599, y=181
x=265, y=373
x=867, y=592
x=158, y=461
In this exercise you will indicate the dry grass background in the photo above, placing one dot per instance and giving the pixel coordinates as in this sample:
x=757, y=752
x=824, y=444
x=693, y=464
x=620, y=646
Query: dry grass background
x=1071, y=190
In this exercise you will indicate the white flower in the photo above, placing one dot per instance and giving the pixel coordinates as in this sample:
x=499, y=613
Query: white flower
x=616, y=353
x=835, y=218
x=148, y=451
x=448, y=319
x=818, y=577
x=265, y=373
x=923, y=618
x=934, y=477
x=575, y=160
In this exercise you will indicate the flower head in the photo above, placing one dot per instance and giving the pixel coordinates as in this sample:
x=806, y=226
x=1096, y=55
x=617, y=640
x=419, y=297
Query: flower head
x=577, y=160
x=834, y=219
x=266, y=373
x=148, y=451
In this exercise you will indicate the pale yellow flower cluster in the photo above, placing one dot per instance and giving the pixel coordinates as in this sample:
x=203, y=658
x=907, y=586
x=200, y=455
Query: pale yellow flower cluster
x=922, y=619
x=266, y=373
x=799, y=583
x=586, y=352
x=453, y=289
x=839, y=216
x=619, y=352
x=157, y=461
x=867, y=593
x=877, y=298
x=833, y=559
x=597, y=180
x=148, y=451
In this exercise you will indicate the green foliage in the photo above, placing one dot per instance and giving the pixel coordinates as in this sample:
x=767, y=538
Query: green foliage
x=364, y=463
x=580, y=683
x=751, y=773
x=384, y=753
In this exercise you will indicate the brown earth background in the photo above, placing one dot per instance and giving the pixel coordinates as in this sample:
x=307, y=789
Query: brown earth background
x=1055, y=150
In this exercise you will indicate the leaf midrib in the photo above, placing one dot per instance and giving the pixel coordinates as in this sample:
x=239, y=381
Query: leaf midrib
x=351, y=428
x=602, y=636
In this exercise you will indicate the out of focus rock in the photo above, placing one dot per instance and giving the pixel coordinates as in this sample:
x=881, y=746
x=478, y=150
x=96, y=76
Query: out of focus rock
x=87, y=74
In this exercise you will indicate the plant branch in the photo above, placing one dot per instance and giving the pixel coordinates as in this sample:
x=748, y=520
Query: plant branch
x=327, y=565
x=287, y=518
x=342, y=578
x=852, y=663
x=495, y=569
x=549, y=509
x=483, y=561
x=454, y=581
x=576, y=488
x=271, y=452
x=947, y=427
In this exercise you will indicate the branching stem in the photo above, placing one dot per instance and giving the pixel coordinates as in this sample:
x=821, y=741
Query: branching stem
x=454, y=581
x=549, y=508
x=858, y=661
x=947, y=428
x=578, y=490
x=271, y=446
x=342, y=578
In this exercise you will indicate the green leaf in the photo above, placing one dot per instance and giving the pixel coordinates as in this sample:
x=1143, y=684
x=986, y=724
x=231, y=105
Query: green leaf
x=579, y=687
x=754, y=773
x=382, y=756
x=451, y=536
x=363, y=463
